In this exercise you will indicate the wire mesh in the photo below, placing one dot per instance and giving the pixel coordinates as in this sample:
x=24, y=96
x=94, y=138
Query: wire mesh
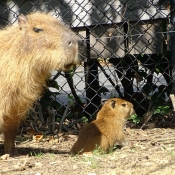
x=126, y=47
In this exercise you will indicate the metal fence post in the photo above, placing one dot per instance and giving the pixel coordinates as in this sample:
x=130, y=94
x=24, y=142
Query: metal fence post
x=91, y=80
x=173, y=50
x=173, y=44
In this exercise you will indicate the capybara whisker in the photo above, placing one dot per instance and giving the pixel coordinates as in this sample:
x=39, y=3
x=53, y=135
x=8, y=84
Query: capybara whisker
x=29, y=50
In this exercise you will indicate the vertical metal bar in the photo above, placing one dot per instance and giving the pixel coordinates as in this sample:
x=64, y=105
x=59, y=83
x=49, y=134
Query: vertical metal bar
x=86, y=64
x=173, y=44
x=173, y=49
x=91, y=81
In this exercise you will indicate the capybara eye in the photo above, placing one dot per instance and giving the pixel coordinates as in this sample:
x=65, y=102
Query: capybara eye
x=124, y=104
x=69, y=43
x=37, y=30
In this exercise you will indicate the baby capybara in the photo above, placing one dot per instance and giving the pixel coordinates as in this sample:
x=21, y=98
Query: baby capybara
x=106, y=130
x=29, y=50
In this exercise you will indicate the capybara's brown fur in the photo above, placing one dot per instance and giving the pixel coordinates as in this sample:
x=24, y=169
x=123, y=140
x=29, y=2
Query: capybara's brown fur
x=106, y=130
x=29, y=50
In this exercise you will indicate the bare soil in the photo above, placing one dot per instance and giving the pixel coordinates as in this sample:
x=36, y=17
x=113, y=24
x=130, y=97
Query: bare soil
x=151, y=152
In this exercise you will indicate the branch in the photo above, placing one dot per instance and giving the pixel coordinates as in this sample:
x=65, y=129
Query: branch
x=149, y=114
x=70, y=104
x=51, y=119
x=109, y=78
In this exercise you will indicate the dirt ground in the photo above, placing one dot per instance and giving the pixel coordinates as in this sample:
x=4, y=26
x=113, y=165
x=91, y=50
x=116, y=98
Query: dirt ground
x=151, y=152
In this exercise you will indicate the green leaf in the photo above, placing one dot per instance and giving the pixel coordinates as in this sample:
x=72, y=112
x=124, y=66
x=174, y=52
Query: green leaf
x=157, y=70
x=85, y=119
x=70, y=97
x=142, y=54
x=162, y=110
x=134, y=118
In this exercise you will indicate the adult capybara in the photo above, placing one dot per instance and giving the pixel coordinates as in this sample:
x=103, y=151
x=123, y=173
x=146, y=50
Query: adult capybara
x=29, y=50
x=106, y=130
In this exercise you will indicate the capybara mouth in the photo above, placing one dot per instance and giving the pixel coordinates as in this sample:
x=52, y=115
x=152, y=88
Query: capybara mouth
x=68, y=67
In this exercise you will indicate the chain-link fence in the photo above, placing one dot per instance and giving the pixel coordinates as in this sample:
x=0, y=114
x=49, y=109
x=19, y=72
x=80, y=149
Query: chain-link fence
x=126, y=46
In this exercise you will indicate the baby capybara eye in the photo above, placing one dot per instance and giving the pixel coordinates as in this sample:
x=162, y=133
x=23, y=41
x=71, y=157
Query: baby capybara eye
x=37, y=30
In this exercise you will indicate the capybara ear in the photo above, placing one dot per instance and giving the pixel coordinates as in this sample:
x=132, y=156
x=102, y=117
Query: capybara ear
x=103, y=101
x=113, y=103
x=22, y=19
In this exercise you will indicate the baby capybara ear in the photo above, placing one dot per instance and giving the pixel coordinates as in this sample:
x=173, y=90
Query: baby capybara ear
x=113, y=103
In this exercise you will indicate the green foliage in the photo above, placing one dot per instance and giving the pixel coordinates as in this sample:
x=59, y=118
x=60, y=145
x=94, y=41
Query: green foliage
x=85, y=119
x=37, y=154
x=162, y=110
x=98, y=150
x=72, y=71
x=70, y=97
x=135, y=119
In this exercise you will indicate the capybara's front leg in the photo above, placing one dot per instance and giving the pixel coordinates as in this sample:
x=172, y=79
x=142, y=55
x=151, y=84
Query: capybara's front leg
x=10, y=130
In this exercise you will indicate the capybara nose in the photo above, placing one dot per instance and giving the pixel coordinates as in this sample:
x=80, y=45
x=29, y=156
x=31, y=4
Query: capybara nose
x=70, y=39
